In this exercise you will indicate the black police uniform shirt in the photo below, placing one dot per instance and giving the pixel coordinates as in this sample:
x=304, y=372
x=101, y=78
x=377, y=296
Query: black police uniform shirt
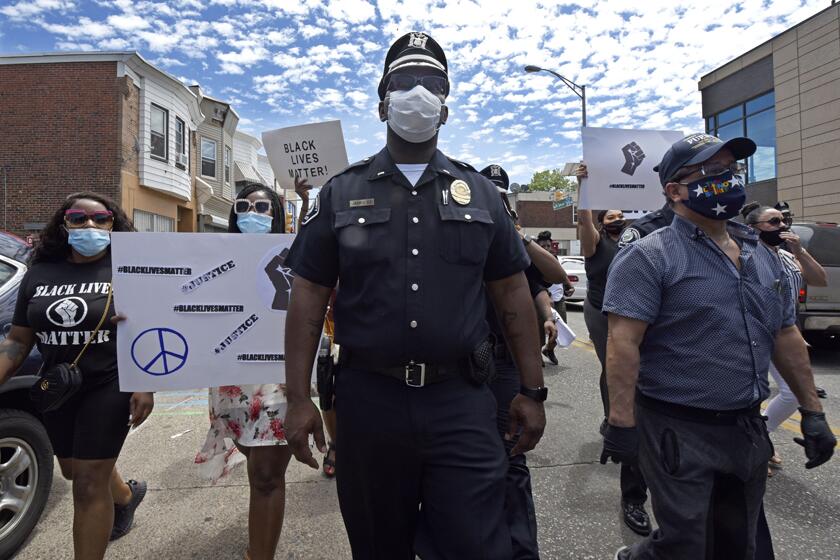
x=62, y=302
x=412, y=260
x=648, y=223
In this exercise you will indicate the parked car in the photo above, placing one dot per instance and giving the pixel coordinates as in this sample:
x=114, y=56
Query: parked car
x=819, y=308
x=577, y=276
x=26, y=461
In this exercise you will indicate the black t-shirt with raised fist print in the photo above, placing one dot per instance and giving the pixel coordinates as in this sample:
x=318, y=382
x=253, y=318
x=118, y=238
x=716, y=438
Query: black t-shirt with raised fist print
x=62, y=302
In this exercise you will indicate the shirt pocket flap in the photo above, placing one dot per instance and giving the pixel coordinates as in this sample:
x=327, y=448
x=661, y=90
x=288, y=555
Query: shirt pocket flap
x=362, y=217
x=450, y=212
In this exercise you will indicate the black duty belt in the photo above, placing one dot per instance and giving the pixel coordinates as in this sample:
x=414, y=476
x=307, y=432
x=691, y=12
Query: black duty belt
x=693, y=414
x=413, y=374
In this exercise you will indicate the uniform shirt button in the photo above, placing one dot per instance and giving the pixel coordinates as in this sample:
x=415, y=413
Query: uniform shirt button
x=414, y=287
x=467, y=217
x=414, y=193
x=415, y=252
x=413, y=324
x=754, y=343
x=415, y=219
x=361, y=220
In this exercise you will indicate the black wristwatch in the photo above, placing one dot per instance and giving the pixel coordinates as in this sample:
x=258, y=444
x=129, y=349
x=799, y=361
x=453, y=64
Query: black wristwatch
x=540, y=394
x=527, y=240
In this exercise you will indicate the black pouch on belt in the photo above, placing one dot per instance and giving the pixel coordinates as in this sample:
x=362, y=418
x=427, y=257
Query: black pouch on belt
x=482, y=368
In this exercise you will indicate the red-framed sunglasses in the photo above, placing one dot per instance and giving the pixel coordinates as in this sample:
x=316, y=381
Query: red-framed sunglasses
x=75, y=218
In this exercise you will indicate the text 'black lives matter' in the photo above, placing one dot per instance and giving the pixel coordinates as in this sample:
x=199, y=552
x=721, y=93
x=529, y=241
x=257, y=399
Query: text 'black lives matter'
x=155, y=270
x=260, y=358
x=207, y=308
x=238, y=332
x=207, y=276
x=304, y=159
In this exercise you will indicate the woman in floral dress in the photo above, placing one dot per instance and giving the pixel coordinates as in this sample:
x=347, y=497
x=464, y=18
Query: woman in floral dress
x=246, y=422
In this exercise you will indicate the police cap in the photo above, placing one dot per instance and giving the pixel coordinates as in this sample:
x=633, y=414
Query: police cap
x=414, y=49
x=497, y=176
x=697, y=148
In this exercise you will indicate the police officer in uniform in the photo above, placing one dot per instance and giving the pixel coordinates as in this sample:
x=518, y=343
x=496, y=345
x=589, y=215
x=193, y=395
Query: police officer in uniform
x=415, y=240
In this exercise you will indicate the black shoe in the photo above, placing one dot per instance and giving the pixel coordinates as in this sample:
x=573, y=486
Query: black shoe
x=821, y=393
x=622, y=553
x=124, y=515
x=603, y=428
x=636, y=518
x=550, y=355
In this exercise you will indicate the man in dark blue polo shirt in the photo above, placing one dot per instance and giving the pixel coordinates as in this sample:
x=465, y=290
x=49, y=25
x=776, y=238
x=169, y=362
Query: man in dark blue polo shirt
x=696, y=310
x=414, y=240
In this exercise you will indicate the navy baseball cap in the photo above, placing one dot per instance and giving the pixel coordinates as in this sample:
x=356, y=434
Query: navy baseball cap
x=497, y=176
x=414, y=49
x=697, y=148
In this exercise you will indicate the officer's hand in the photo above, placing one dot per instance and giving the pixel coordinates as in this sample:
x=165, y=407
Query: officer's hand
x=568, y=290
x=621, y=445
x=528, y=414
x=818, y=442
x=302, y=419
x=551, y=331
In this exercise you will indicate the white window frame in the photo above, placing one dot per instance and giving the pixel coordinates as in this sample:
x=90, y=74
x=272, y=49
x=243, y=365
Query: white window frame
x=165, y=156
x=215, y=156
x=228, y=157
x=158, y=223
x=182, y=136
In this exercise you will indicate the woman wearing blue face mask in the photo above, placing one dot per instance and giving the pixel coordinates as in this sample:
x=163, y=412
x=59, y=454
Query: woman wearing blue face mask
x=246, y=421
x=63, y=297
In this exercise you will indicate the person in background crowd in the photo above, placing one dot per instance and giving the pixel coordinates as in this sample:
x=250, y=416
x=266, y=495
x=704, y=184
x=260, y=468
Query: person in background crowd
x=559, y=291
x=415, y=239
x=696, y=428
x=799, y=266
x=598, y=245
x=519, y=501
x=252, y=416
x=87, y=432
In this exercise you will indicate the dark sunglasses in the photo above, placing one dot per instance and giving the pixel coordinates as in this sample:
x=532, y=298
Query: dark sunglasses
x=243, y=206
x=774, y=221
x=75, y=218
x=405, y=82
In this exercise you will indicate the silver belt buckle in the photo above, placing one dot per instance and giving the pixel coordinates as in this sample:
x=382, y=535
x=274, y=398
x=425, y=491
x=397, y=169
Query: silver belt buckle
x=410, y=374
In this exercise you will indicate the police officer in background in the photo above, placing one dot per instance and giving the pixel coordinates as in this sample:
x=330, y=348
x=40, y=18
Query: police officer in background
x=648, y=223
x=415, y=239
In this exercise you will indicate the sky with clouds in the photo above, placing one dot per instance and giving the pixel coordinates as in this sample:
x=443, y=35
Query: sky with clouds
x=286, y=62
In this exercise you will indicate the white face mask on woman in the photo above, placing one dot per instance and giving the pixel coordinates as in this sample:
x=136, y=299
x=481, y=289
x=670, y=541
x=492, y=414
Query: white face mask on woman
x=414, y=115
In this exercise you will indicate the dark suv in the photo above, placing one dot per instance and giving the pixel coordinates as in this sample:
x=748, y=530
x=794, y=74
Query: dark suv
x=819, y=308
x=26, y=462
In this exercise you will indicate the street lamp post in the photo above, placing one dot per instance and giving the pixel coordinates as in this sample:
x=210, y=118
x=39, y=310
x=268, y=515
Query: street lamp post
x=580, y=91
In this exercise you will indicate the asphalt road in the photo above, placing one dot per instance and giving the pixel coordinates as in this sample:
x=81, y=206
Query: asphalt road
x=577, y=499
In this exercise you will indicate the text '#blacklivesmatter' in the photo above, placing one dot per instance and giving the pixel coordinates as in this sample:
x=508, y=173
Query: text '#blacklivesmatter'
x=260, y=357
x=208, y=308
x=155, y=270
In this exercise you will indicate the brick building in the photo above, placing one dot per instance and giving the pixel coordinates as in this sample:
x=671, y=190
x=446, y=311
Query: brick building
x=108, y=122
x=536, y=213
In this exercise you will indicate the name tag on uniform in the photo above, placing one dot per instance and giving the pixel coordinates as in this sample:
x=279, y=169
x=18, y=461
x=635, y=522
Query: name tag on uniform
x=362, y=202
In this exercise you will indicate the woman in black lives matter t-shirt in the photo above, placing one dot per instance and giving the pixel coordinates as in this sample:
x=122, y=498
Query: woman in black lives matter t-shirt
x=61, y=300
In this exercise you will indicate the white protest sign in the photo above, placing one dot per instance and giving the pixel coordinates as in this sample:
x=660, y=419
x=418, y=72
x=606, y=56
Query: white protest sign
x=202, y=309
x=620, y=166
x=314, y=152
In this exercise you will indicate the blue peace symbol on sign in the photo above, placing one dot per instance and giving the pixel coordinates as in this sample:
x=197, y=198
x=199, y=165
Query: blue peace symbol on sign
x=159, y=351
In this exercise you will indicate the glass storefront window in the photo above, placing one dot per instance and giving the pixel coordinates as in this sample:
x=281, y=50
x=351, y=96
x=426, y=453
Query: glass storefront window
x=759, y=103
x=731, y=130
x=730, y=115
x=761, y=129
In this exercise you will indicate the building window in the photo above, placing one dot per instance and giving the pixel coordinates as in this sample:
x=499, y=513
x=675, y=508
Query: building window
x=180, y=143
x=755, y=119
x=574, y=213
x=227, y=164
x=147, y=221
x=160, y=132
x=208, y=157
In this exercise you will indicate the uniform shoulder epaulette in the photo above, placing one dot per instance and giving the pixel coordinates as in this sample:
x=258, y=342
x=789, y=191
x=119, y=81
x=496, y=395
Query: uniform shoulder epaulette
x=462, y=164
x=360, y=163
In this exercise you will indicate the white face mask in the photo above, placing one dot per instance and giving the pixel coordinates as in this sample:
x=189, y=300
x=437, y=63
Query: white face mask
x=414, y=114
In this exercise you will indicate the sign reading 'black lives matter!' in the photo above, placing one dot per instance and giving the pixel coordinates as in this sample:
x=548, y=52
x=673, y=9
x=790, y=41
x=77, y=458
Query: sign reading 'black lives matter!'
x=314, y=152
x=202, y=310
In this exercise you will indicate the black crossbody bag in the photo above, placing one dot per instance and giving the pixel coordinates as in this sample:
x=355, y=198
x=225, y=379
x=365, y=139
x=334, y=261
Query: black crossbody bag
x=57, y=384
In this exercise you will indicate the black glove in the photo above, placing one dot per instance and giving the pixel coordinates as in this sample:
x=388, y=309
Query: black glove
x=818, y=442
x=621, y=444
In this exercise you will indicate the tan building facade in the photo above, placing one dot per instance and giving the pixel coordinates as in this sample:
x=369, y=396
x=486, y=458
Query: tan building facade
x=786, y=90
